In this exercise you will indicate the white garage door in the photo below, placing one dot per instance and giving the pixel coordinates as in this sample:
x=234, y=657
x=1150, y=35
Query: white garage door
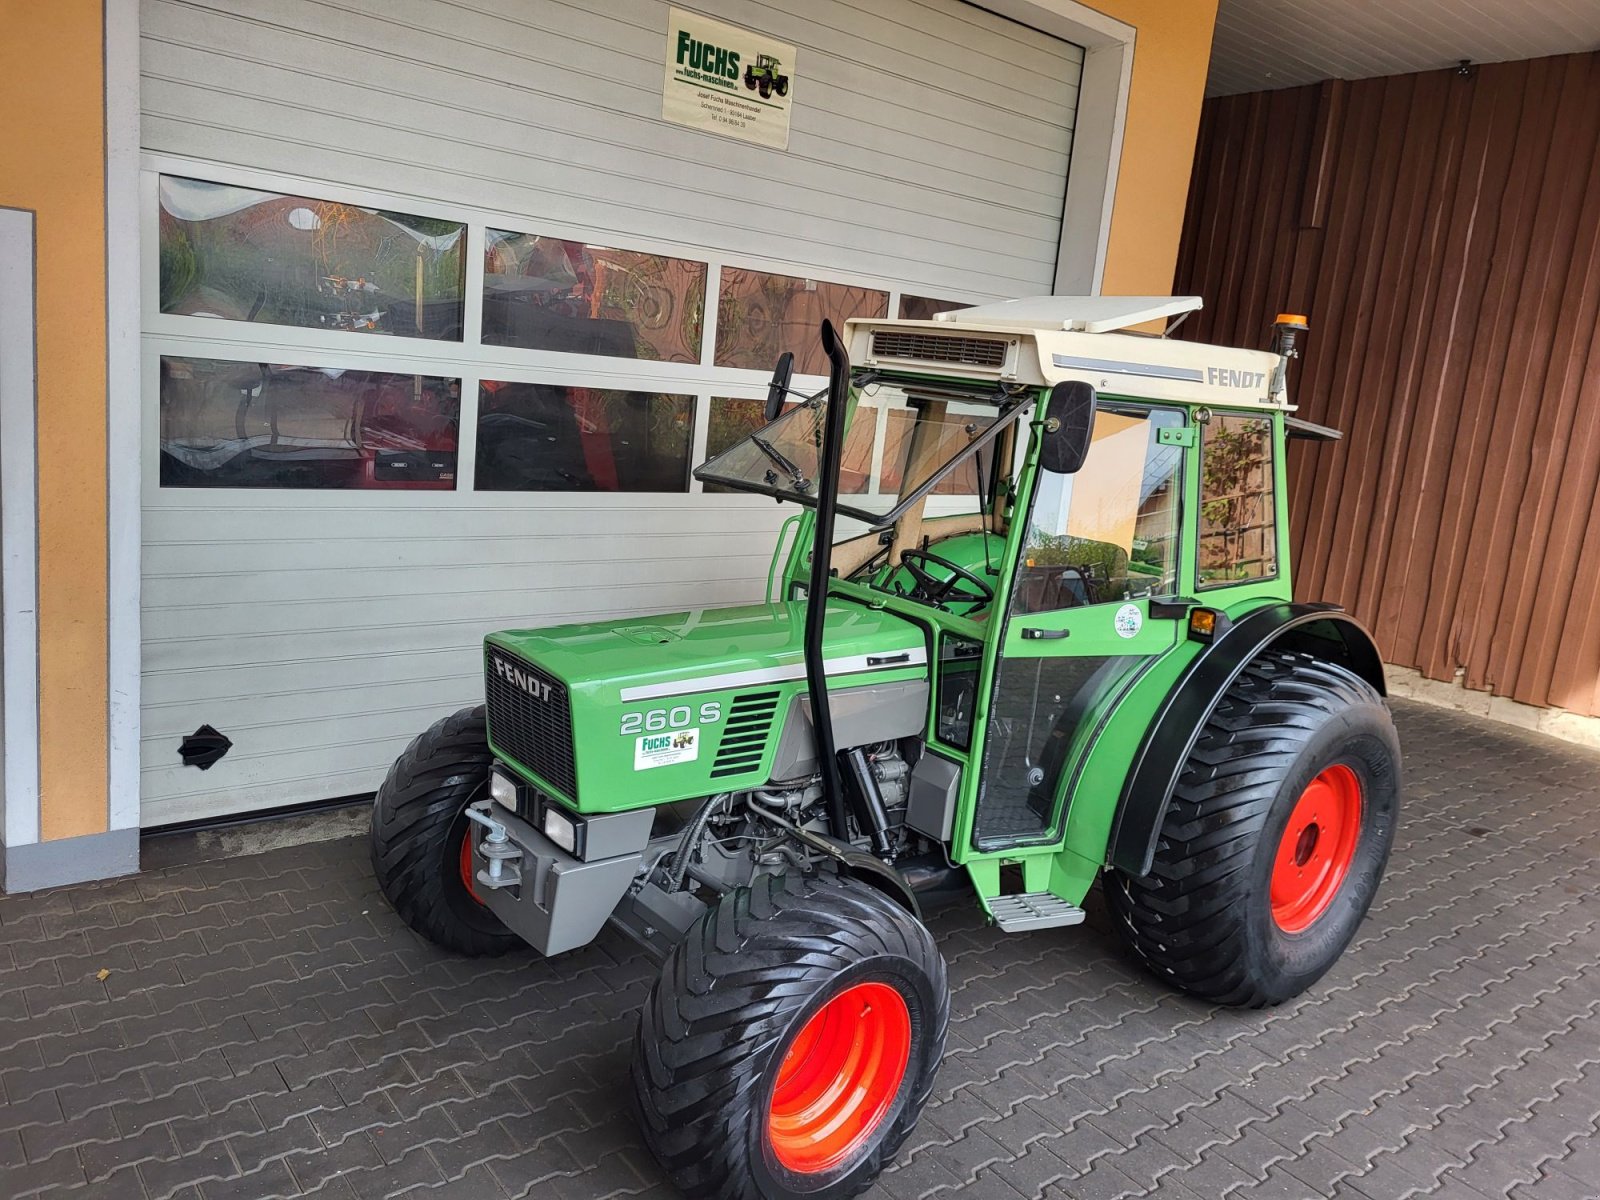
x=440, y=312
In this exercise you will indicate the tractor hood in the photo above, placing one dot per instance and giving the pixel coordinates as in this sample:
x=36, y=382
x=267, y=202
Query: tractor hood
x=712, y=649
x=646, y=710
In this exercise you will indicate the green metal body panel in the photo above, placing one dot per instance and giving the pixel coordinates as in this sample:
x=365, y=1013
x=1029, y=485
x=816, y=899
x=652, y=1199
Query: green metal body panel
x=604, y=664
x=694, y=665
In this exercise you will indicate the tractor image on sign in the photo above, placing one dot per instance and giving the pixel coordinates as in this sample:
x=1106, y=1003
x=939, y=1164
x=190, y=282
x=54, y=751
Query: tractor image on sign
x=1044, y=639
x=765, y=75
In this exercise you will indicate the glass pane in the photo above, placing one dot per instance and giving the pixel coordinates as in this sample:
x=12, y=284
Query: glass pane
x=1036, y=716
x=897, y=453
x=247, y=424
x=538, y=437
x=247, y=255
x=543, y=293
x=760, y=315
x=1238, y=519
x=923, y=308
x=1109, y=533
x=959, y=662
x=783, y=458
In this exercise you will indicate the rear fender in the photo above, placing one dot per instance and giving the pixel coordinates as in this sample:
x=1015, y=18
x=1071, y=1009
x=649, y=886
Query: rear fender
x=1323, y=631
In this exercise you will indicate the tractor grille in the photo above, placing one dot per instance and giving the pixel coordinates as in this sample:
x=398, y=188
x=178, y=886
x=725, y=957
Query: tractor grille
x=938, y=347
x=744, y=735
x=533, y=723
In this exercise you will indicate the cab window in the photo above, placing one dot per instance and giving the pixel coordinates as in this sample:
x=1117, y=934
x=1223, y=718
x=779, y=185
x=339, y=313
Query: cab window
x=1110, y=532
x=1238, y=513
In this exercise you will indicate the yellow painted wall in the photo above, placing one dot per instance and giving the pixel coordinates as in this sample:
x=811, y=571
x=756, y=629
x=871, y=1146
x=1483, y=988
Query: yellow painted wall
x=1171, y=53
x=52, y=146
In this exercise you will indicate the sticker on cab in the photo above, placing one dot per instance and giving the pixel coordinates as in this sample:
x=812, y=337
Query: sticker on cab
x=666, y=749
x=1128, y=621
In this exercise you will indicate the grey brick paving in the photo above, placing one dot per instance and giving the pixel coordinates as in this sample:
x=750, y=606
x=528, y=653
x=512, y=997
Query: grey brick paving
x=270, y=1029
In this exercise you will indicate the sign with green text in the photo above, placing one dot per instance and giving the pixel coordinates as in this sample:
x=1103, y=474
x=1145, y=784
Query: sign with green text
x=727, y=80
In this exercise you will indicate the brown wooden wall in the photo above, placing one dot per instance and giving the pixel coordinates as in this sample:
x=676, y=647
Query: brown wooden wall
x=1443, y=235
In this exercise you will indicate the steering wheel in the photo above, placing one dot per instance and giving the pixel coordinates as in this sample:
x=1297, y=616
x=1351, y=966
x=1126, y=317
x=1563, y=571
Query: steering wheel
x=932, y=590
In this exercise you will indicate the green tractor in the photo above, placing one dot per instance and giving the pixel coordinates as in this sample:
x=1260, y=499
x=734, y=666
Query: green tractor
x=1046, y=638
x=766, y=76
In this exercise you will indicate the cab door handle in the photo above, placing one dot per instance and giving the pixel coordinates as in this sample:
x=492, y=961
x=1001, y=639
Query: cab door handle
x=1045, y=635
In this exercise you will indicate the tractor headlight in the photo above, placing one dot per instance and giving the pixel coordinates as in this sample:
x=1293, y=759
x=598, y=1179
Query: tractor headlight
x=560, y=828
x=503, y=790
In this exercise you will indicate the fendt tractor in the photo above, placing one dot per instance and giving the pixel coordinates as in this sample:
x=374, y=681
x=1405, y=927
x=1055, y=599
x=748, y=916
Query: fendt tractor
x=1040, y=636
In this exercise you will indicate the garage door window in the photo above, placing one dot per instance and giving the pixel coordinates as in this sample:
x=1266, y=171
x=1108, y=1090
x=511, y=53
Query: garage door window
x=536, y=437
x=760, y=315
x=547, y=293
x=226, y=423
x=247, y=255
x=923, y=308
x=674, y=346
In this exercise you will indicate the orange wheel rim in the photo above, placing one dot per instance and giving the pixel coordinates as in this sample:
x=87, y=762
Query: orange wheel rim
x=469, y=869
x=839, y=1078
x=1317, y=848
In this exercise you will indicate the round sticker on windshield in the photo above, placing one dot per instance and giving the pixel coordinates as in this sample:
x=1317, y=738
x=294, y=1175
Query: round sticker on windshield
x=1128, y=621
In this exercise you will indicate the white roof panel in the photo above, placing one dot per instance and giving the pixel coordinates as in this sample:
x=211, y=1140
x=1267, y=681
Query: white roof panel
x=1075, y=314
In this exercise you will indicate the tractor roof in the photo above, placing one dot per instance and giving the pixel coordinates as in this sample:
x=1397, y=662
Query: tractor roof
x=1045, y=340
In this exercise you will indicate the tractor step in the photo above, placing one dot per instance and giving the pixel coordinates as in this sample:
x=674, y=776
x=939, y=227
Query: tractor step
x=1032, y=910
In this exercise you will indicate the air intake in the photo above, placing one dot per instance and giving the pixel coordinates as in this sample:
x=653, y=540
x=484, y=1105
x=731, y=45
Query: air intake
x=744, y=734
x=939, y=348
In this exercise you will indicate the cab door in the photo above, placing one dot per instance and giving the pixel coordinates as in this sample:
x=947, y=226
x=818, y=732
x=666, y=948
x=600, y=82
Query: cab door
x=1098, y=546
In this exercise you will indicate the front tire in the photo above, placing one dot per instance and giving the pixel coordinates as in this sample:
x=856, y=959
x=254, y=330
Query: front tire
x=420, y=848
x=791, y=1041
x=1276, y=838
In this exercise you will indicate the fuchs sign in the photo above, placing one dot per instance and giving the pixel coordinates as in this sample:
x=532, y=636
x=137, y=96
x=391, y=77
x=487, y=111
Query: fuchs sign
x=727, y=80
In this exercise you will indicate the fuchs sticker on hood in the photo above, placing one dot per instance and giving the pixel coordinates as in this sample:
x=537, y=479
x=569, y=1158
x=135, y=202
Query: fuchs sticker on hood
x=666, y=749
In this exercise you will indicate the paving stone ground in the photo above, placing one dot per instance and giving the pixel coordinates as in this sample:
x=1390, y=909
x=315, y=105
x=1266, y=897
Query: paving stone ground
x=268, y=1028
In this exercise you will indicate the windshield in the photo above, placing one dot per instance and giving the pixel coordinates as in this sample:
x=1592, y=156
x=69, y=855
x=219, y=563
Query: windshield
x=897, y=447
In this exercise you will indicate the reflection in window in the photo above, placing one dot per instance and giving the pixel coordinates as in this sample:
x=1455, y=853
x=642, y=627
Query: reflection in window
x=760, y=315
x=539, y=437
x=1110, y=532
x=248, y=255
x=943, y=441
x=544, y=293
x=733, y=420
x=923, y=308
x=246, y=424
x=1238, y=519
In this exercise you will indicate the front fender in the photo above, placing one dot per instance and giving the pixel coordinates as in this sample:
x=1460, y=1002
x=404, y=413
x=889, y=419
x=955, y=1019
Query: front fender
x=1324, y=631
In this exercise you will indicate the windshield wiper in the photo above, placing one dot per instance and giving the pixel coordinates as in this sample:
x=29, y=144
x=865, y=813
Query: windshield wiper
x=796, y=475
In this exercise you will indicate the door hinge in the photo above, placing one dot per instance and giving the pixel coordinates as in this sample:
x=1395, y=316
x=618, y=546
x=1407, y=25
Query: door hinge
x=1181, y=436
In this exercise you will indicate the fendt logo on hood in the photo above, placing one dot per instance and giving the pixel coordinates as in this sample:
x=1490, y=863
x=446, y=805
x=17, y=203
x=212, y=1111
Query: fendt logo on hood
x=537, y=688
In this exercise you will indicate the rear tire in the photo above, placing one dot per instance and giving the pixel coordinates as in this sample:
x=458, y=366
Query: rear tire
x=820, y=961
x=419, y=829
x=1276, y=838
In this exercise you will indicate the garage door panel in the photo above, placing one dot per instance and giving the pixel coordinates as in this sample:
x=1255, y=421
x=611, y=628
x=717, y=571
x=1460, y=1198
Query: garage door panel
x=995, y=170
x=172, y=795
x=977, y=242
x=306, y=703
x=979, y=138
x=882, y=144
x=583, y=166
x=584, y=586
x=186, y=517
x=443, y=556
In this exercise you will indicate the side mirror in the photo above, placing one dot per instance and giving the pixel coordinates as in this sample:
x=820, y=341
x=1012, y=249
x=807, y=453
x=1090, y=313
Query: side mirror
x=1068, y=426
x=779, y=387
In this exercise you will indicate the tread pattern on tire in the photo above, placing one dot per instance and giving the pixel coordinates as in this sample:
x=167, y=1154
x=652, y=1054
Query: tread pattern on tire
x=744, y=968
x=1183, y=920
x=420, y=800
